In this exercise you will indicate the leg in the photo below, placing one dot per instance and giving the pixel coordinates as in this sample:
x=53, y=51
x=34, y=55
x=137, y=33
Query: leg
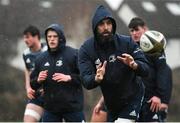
x=146, y=115
x=34, y=110
x=163, y=116
x=33, y=113
x=100, y=116
x=131, y=109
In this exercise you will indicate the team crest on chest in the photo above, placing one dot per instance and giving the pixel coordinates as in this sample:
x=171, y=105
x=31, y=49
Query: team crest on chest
x=112, y=58
x=59, y=63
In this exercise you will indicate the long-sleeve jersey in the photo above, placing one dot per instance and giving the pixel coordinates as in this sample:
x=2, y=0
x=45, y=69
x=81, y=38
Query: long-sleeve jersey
x=159, y=81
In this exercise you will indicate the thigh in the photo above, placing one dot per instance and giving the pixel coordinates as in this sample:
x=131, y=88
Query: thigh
x=33, y=112
x=146, y=115
x=37, y=101
x=74, y=117
x=162, y=116
x=101, y=116
x=50, y=117
x=130, y=110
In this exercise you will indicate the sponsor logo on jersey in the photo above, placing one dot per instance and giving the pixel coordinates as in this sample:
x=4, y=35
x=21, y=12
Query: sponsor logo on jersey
x=97, y=62
x=133, y=113
x=47, y=64
x=112, y=58
x=137, y=50
x=155, y=116
x=28, y=60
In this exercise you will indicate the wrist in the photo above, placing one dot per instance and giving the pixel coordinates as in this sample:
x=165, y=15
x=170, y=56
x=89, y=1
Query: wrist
x=39, y=81
x=28, y=86
x=69, y=78
x=97, y=79
x=134, y=65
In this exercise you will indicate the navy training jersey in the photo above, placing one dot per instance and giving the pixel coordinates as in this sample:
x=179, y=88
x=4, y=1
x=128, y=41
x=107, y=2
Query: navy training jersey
x=29, y=57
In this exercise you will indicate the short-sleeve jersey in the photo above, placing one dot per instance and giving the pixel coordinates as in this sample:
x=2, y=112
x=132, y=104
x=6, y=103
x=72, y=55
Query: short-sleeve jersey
x=29, y=57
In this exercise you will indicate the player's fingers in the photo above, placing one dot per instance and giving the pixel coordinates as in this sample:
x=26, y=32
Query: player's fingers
x=125, y=55
x=104, y=64
x=120, y=58
x=152, y=107
x=99, y=66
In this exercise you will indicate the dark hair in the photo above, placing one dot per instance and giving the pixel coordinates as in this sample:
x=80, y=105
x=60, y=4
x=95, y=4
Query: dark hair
x=32, y=30
x=136, y=21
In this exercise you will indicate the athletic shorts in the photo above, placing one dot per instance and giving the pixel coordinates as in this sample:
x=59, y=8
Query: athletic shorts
x=67, y=117
x=38, y=100
x=130, y=110
x=104, y=108
x=146, y=115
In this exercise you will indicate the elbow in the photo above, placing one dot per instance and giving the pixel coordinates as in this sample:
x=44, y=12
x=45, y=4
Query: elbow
x=143, y=71
x=89, y=83
x=88, y=87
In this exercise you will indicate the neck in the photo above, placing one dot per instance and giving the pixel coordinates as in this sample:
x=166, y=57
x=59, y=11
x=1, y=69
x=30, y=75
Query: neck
x=36, y=47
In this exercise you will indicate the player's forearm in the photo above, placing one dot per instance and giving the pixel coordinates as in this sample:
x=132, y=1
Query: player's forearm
x=27, y=79
x=101, y=101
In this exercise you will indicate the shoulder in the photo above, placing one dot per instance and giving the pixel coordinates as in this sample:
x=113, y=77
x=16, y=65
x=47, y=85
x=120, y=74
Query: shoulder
x=44, y=47
x=71, y=49
x=87, y=46
x=26, y=52
x=126, y=42
x=42, y=56
x=88, y=43
x=124, y=38
x=70, y=52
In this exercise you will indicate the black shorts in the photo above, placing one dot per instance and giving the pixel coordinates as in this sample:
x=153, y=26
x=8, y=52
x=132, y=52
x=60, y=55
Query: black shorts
x=130, y=110
x=146, y=115
x=38, y=100
x=104, y=108
x=68, y=117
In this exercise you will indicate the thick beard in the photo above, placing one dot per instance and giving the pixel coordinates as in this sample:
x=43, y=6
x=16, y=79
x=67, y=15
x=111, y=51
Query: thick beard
x=104, y=40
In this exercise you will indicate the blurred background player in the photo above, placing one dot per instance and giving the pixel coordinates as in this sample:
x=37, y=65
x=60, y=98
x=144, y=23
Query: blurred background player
x=34, y=107
x=158, y=85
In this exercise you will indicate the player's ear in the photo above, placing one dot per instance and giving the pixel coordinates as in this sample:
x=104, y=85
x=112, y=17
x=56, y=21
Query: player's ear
x=145, y=28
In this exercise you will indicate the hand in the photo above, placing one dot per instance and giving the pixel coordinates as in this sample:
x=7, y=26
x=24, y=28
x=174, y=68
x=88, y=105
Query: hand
x=59, y=77
x=41, y=91
x=128, y=60
x=100, y=72
x=42, y=76
x=163, y=107
x=97, y=108
x=155, y=104
x=30, y=93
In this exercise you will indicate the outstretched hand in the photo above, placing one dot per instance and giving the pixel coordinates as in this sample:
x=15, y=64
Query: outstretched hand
x=155, y=104
x=128, y=60
x=100, y=71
